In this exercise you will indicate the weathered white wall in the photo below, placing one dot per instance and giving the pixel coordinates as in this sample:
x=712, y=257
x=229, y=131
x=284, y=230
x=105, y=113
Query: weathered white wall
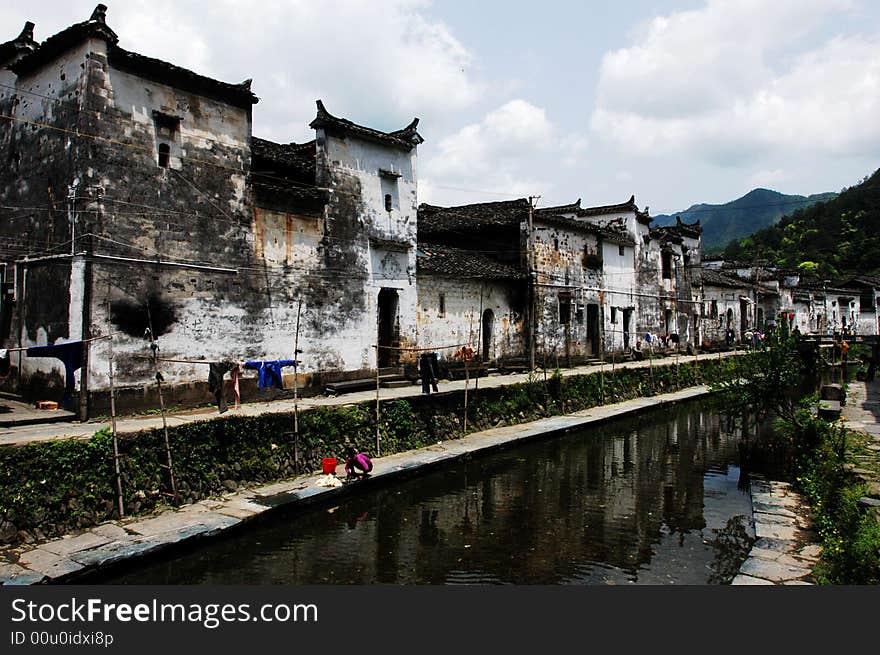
x=462, y=320
x=361, y=165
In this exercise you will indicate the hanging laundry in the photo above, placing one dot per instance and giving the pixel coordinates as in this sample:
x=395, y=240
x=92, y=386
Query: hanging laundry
x=216, y=371
x=270, y=372
x=70, y=354
x=234, y=374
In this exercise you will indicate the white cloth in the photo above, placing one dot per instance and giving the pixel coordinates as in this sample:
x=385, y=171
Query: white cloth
x=329, y=480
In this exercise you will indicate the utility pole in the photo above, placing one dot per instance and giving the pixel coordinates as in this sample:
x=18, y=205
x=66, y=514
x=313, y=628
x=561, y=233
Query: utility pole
x=71, y=214
x=533, y=283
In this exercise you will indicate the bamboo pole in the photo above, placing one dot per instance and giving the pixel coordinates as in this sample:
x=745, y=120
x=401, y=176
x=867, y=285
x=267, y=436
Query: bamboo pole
x=464, y=422
x=169, y=464
x=480, y=342
x=296, y=387
x=378, y=445
x=120, y=505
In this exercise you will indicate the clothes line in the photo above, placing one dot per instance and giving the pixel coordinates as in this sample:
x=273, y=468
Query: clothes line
x=421, y=350
x=176, y=361
x=106, y=336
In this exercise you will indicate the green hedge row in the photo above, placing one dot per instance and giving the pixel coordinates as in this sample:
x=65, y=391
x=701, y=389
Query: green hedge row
x=51, y=488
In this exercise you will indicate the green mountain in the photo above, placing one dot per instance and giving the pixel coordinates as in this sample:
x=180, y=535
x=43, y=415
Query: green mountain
x=837, y=237
x=739, y=218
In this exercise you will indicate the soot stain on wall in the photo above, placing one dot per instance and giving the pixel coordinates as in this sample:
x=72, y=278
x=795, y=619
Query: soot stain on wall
x=134, y=316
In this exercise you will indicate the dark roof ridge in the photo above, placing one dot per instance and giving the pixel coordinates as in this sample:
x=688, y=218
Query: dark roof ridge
x=492, y=203
x=19, y=47
x=95, y=26
x=162, y=72
x=629, y=205
x=693, y=230
x=406, y=138
x=573, y=207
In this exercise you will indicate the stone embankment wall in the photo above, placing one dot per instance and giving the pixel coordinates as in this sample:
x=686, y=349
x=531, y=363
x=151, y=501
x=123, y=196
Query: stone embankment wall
x=53, y=488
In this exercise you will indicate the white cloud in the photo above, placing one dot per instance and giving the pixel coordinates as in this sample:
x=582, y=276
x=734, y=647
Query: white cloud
x=728, y=83
x=497, y=154
x=378, y=62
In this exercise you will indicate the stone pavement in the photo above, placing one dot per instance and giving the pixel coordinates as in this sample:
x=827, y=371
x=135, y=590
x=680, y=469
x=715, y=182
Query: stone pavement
x=862, y=408
x=130, y=424
x=14, y=413
x=115, y=541
x=784, y=552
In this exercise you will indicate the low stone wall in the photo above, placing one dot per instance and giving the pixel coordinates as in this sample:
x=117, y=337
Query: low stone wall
x=55, y=487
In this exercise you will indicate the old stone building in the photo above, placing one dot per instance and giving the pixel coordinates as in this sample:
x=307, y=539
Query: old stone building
x=601, y=277
x=136, y=197
x=466, y=297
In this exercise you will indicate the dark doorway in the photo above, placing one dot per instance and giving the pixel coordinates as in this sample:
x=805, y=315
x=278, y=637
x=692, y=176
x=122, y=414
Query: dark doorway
x=743, y=316
x=488, y=333
x=593, y=328
x=388, y=328
x=627, y=317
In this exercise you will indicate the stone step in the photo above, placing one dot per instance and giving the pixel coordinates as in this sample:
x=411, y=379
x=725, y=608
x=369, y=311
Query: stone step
x=350, y=385
x=395, y=384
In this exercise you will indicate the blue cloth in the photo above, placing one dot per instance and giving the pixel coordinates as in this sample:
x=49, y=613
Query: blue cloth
x=70, y=354
x=270, y=372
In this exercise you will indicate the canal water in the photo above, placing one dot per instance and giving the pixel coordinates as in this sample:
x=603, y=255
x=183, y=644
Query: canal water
x=653, y=499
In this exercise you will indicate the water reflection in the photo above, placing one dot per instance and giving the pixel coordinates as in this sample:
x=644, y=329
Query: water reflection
x=653, y=500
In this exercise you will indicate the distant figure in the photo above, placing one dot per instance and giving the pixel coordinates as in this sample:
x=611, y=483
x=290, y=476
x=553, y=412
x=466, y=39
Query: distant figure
x=728, y=337
x=844, y=351
x=357, y=465
x=637, y=353
x=796, y=332
x=429, y=371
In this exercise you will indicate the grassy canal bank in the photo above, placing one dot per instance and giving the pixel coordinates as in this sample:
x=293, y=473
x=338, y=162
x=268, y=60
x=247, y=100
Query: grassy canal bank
x=53, y=488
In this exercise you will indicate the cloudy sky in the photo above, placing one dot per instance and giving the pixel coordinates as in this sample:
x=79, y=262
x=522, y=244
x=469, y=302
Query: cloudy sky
x=675, y=101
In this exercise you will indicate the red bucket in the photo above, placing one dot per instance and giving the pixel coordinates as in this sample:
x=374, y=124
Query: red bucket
x=328, y=465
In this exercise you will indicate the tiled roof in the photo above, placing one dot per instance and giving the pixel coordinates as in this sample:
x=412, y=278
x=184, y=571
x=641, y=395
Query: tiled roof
x=405, y=139
x=286, y=197
x=693, y=230
x=713, y=278
x=19, y=47
x=162, y=72
x=628, y=206
x=57, y=44
x=607, y=233
x=434, y=259
x=295, y=159
x=507, y=213
x=864, y=281
x=666, y=234
x=560, y=209
x=146, y=67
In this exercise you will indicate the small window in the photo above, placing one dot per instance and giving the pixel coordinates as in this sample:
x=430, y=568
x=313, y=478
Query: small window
x=388, y=202
x=442, y=304
x=564, y=309
x=621, y=250
x=164, y=154
x=666, y=265
x=714, y=313
x=556, y=245
x=614, y=314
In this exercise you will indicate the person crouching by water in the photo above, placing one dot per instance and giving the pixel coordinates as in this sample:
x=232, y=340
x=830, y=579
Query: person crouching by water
x=357, y=465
